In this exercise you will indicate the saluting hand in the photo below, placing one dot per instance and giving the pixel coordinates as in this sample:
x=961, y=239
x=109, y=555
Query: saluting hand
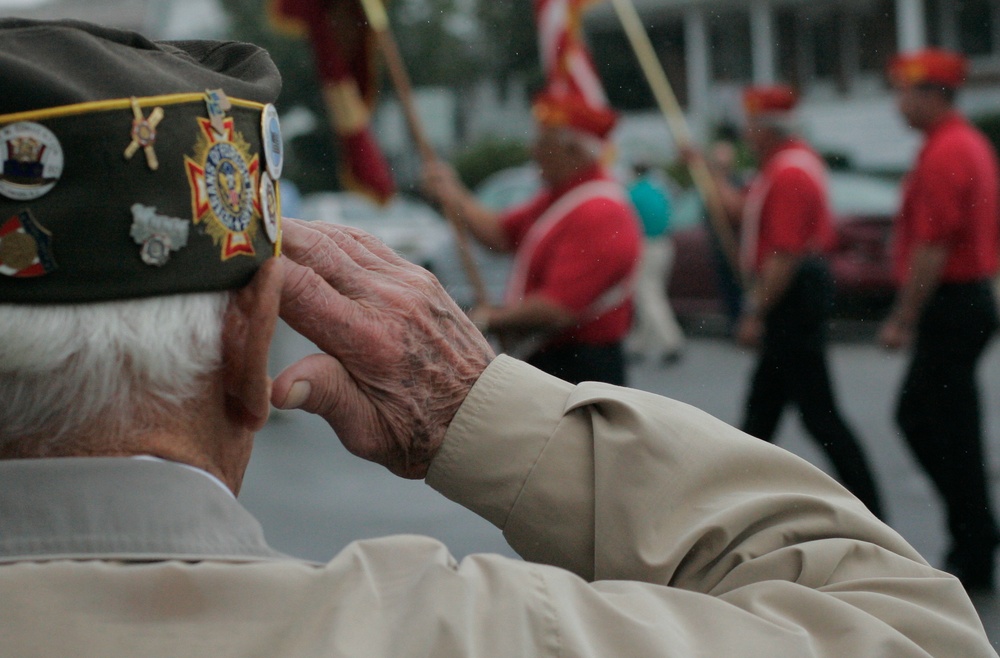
x=399, y=355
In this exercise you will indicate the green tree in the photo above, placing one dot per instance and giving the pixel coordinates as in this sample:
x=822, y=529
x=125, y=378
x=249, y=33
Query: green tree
x=439, y=41
x=312, y=161
x=510, y=37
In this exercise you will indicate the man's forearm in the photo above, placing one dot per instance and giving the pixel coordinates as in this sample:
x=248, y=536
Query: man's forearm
x=628, y=489
x=535, y=313
x=483, y=223
x=772, y=282
x=925, y=275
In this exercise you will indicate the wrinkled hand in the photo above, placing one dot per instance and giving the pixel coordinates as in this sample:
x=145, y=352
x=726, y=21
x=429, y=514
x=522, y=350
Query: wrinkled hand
x=399, y=355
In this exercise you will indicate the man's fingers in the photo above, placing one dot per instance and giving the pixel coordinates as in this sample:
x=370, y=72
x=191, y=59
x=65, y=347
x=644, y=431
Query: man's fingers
x=366, y=250
x=336, y=254
x=315, y=309
x=315, y=247
x=317, y=384
x=374, y=247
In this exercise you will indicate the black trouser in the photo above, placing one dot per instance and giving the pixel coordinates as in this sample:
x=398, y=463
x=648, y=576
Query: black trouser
x=938, y=412
x=578, y=362
x=792, y=368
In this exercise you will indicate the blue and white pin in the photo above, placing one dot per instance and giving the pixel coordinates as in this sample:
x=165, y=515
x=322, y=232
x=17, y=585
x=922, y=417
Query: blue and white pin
x=274, y=146
x=270, y=208
x=158, y=235
x=217, y=104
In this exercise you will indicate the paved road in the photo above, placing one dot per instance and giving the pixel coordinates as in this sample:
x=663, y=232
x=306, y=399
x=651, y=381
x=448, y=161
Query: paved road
x=313, y=498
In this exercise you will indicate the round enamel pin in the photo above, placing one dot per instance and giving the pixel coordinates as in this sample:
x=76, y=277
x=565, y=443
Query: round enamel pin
x=270, y=209
x=31, y=158
x=274, y=147
x=229, y=184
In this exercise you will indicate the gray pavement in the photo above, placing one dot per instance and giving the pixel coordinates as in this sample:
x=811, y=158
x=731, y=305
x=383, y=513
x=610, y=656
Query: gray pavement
x=313, y=498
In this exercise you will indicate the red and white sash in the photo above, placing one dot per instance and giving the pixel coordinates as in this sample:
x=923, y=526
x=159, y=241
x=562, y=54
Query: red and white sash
x=548, y=222
x=791, y=158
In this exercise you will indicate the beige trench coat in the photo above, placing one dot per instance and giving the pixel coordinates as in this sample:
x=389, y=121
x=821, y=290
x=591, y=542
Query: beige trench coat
x=648, y=528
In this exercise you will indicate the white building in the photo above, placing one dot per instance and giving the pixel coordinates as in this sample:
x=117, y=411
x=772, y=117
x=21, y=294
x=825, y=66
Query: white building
x=160, y=19
x=834, y=51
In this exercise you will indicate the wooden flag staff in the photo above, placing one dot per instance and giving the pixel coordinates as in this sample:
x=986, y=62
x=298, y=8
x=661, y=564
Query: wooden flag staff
x=378, y=19
x=667, y=100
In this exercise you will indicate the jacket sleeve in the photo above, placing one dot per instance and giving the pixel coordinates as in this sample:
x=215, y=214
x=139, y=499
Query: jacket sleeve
x=686, y=536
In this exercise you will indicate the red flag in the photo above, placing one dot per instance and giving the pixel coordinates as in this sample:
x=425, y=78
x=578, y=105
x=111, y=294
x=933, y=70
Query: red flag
x=573, y=94
x=569, y=69
x=343, y=47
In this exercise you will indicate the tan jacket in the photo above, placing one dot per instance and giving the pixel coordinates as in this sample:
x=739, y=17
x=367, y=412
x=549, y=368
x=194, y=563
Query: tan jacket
x=650, y=529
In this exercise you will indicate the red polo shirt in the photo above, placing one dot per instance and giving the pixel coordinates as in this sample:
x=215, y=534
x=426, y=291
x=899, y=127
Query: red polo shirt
x=594, y=249
x=952, y=198
x=787, y=206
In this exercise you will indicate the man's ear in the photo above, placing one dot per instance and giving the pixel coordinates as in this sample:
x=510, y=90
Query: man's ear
x=246, y=338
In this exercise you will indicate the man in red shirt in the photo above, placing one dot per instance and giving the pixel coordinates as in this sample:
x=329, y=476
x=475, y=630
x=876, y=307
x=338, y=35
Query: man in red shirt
x=947, y=251
x=785, y=227
x=576, y=245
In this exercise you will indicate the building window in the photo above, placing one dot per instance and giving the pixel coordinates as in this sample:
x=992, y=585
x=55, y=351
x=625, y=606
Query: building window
x=969, y=26
x=974, y=20
x=876, y=37
x=729, y=36
x=624, y=81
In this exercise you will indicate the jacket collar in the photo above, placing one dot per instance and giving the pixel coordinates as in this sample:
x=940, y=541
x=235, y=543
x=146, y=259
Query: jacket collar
x=121, y=509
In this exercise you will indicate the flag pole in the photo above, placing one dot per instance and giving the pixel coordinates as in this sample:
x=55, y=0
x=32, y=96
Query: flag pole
x=378, y=19
x=671, y=109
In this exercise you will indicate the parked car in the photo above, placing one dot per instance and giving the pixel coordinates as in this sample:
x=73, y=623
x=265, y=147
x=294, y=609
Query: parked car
x=860, y=263
x=417, y=232
x=410, y=227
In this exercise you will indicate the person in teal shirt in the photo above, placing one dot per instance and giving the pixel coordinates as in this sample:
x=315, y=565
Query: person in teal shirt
x=656, y=334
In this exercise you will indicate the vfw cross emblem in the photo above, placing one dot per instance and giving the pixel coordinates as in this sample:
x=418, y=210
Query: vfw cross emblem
x=224, y=182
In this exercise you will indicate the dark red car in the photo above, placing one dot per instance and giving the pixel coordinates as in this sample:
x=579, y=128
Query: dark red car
x=861, y=265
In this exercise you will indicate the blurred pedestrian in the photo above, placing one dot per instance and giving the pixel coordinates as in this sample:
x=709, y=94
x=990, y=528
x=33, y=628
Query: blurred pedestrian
x=656, y=335
x=946, y=255
x=723, y=157
x=785, y=229
x=568, y=305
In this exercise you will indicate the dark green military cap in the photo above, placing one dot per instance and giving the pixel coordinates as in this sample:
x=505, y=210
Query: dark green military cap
x=132, y=168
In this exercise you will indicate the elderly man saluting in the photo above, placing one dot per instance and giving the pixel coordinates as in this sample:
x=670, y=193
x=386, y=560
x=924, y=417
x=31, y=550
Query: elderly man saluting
x=136, y=307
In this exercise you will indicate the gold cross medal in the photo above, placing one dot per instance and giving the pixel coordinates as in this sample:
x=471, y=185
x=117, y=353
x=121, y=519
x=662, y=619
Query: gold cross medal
x=224, y=181
x=144, y=134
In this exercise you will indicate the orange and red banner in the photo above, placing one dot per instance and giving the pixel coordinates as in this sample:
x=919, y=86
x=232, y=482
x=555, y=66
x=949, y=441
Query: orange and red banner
x=343, y=48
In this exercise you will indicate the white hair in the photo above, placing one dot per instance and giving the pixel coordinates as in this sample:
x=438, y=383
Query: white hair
x=104, y=369
x=591, y=145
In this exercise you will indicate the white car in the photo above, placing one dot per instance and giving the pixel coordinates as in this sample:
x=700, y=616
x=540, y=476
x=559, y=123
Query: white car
x=408, y=226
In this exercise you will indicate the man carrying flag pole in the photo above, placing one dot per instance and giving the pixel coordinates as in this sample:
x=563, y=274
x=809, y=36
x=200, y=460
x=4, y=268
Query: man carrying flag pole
x=576, y=245
x=343, y=45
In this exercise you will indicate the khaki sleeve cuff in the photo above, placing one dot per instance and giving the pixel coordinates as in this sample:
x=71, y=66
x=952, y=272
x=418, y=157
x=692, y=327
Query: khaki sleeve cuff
x=496, y=437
